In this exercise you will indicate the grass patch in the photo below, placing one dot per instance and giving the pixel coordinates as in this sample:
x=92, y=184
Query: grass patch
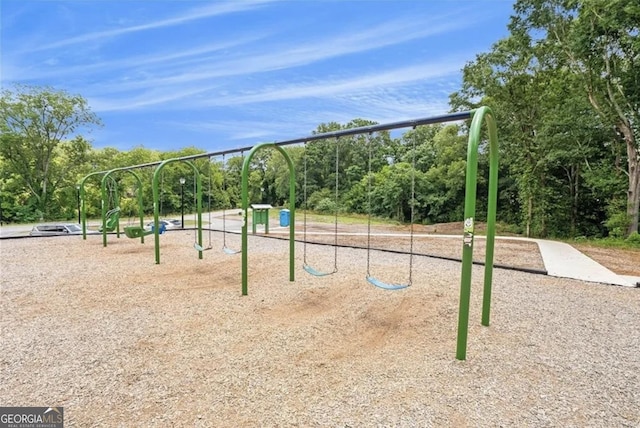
x=330, y=218
x=610, y=242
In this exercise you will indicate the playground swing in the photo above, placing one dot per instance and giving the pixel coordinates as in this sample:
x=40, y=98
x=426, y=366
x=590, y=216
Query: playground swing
x=136, y=231
x=370, y=278
x=305, y=264
x=112, y=217
x=197, y=246
x=226, y=249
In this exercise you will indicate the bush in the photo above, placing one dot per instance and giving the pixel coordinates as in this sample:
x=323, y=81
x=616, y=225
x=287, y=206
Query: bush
x=318, y=199
x=326, y=206
x=634, y=239
x=508, y=229
x=617, y=224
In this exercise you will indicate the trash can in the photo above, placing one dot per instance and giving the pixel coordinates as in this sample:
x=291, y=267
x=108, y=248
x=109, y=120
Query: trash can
x=284, y=218
x=161, y=229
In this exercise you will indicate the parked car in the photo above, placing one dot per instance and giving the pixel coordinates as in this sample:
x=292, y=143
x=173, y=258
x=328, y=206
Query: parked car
x=167, y=223
x=54, y=229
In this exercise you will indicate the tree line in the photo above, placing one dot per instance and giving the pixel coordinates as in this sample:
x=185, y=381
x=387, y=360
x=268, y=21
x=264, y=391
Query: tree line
x=563, y=86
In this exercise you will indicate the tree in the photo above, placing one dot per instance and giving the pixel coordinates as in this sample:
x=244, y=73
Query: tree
x=598, y=41
x=550, y=135
x=39, y=126
x=440, y=159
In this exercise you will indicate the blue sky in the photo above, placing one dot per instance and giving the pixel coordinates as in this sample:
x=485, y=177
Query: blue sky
x=218, y=75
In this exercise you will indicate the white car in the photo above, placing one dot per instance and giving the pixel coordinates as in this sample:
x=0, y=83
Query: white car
x=56, y=229
x=167, y=223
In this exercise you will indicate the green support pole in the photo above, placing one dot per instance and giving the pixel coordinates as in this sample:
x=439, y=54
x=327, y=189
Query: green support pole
x=245, y=226
x=491, y=215
x=469, y=224
x=245, y=209
x=117, y=203
x=156, y=200
x=140, y=205
x=292, y=222
x=83, y=207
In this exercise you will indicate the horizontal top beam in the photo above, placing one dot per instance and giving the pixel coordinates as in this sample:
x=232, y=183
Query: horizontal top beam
x=412, y=123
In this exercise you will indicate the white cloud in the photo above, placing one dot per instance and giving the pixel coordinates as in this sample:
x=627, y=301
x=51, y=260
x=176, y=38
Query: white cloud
x=200, y=96
x=213, y=9
x=299, y=53
x=172, y=59
x=329, y=88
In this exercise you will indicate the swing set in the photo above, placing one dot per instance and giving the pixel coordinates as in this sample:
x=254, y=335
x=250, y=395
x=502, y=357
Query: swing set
x=369, y=277
x=225, y=248
x=478, y=117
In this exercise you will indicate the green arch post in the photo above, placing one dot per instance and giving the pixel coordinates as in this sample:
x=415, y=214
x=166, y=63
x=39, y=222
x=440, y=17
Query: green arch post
x=479, y=115
x=245, y=207
x=156, y=208
x=103, y=188
x=83, y=207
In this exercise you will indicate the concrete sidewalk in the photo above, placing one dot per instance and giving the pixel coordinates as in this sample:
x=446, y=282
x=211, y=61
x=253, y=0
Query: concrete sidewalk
x=564, y=261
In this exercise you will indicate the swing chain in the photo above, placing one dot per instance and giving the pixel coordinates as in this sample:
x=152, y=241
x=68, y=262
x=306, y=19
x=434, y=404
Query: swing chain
x=369, y=207
x=413, y=204
x=335, y=222
x=304, y=191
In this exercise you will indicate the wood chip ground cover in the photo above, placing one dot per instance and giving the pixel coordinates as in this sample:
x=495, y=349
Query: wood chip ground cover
x=120, y=341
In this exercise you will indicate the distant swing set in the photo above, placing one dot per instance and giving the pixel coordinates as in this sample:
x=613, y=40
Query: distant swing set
x=480, y=116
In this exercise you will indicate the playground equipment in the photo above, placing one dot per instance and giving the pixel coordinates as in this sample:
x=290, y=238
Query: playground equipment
x=305, y=264
x=225, y=248
x=83, y=205
x=210, y=246
x=138, y=232
x=197, y=246
x=156, y=206
x=105, y=215
x=370, y=278
x=480, y=116
x=109, y=220
x=112, y=219
x=245, y=208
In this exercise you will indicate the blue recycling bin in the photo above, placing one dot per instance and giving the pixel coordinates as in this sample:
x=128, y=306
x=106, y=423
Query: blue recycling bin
x=161, y=229
x=284, y=218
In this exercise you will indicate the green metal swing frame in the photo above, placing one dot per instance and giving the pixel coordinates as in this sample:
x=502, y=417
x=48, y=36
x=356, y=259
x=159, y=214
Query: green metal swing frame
x=480, y=116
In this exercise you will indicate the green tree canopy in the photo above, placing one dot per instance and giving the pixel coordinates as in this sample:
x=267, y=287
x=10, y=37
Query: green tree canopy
x=40, y=139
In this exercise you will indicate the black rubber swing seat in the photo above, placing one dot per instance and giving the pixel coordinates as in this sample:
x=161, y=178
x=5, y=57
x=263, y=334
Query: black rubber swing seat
x=136, y=231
